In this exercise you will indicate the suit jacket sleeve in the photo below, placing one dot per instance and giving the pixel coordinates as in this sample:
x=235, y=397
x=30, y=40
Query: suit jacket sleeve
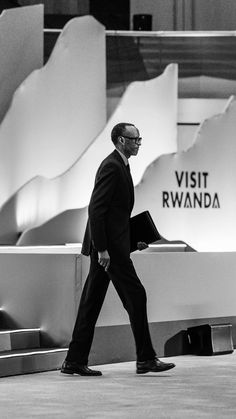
x=101, y=199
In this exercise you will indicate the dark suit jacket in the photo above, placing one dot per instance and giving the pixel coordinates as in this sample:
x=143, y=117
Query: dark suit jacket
x=109, y=210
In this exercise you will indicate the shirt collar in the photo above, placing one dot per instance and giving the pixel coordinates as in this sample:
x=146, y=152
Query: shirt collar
x=125, y=160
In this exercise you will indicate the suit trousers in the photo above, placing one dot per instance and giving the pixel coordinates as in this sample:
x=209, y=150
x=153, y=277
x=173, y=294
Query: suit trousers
x=133, y=297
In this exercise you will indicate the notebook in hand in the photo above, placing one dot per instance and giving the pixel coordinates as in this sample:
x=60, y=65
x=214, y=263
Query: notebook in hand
x=142, y=229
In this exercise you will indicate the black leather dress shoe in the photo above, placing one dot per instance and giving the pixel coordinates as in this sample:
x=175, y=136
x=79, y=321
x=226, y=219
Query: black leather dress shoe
x=75, y=368
x=154, y=365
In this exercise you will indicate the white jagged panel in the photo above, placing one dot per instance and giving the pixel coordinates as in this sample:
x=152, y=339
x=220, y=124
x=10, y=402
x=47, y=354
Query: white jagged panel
x=21, y=49
x=152, y=106
x=57, y=111
x=65, y=228
x=195, y=111
x=192, y=112
x=191, y=195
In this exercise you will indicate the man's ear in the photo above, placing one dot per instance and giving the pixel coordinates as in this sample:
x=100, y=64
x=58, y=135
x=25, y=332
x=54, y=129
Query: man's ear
x=121, y=140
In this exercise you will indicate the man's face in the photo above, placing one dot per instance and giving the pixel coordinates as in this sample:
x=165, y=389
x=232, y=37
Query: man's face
x=132, y=141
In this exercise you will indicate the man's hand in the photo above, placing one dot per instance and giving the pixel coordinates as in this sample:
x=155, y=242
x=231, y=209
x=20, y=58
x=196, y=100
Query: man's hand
x=142, y=245
x=104, y=259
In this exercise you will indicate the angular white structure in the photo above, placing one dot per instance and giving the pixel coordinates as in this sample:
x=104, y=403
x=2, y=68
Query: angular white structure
x=191, y=195
x=57, y=111
x=152, y=106
x=21, y=49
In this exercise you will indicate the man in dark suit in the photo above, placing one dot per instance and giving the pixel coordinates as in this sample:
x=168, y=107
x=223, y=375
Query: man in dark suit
x=107, y=241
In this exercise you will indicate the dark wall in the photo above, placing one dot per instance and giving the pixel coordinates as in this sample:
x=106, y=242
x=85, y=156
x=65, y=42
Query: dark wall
x=113, y=14
x=8, y=4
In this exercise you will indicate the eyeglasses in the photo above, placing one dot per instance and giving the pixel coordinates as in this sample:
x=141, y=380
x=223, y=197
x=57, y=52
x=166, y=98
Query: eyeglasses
x=136, y=140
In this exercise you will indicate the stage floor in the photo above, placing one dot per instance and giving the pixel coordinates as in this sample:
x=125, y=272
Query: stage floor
x=198, y=387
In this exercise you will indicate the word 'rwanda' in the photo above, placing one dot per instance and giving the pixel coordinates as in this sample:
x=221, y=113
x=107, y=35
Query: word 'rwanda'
x=193, y=198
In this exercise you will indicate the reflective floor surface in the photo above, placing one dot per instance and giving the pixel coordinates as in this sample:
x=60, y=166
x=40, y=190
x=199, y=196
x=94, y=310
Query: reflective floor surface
x=199, y=387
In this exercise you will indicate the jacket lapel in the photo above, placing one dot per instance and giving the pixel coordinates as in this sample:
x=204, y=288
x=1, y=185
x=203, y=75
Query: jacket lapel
x=127, y=174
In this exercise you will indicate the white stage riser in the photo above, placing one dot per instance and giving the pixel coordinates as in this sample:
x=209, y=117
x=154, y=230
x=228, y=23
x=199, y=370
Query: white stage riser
x=19, y=339
x=184, y=289
x=34, y=361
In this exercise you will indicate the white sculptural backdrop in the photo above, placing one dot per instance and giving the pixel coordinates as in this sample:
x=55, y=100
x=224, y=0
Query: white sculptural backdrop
x=57, y=111
x=73, y=188
x=21, y=49
x=54, y=136
x=191, y=194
